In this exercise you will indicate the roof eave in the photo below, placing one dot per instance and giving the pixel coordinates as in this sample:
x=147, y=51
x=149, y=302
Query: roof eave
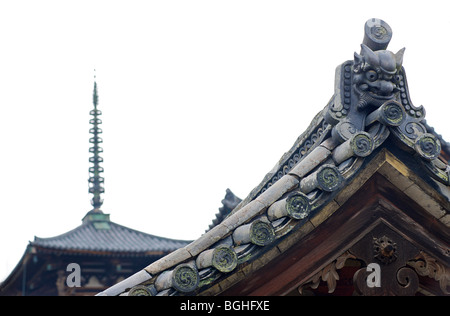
x=431, y=200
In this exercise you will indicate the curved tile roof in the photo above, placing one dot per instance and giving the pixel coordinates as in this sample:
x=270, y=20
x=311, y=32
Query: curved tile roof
x=307, y=184
x=107, y=236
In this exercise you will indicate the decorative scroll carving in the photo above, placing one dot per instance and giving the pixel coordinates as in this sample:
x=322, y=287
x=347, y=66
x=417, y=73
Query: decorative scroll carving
x=408, y=281
x=328, y=274
x=398, y=275
x=425, y=265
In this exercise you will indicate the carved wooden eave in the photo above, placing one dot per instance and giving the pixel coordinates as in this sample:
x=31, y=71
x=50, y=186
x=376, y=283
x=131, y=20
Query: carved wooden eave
x=368, y=182
x=386, y=198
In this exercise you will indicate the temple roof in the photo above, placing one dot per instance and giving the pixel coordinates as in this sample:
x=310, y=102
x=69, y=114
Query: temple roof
x=99, y=235
x=367, y=166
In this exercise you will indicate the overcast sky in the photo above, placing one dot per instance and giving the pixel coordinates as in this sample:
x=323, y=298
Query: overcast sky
x=197, y=97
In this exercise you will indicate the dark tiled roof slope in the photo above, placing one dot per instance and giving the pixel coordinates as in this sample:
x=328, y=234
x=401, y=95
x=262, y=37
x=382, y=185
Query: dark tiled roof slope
x=108, y=237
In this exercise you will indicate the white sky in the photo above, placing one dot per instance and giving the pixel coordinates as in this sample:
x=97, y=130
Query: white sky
x=197, y=97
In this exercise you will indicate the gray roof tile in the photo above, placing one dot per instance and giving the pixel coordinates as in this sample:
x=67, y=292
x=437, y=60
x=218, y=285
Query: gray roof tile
x=107, y=236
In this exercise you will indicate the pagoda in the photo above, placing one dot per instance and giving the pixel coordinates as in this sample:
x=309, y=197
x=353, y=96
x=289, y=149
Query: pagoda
x=93, y=256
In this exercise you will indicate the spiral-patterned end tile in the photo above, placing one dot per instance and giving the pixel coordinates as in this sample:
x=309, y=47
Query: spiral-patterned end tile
x=329, y=178
x=185, y=278
x=261, y=233
x=297, y=205
x=361, y=144
x=428, y=146
x=142, y=290
x=224, y=259
x=392, y=113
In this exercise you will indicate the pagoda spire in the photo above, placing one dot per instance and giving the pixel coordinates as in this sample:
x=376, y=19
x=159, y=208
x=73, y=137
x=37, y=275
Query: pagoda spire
x=95, y=180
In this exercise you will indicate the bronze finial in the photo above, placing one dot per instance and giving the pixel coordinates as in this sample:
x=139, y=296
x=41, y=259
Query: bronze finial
x=95, y=180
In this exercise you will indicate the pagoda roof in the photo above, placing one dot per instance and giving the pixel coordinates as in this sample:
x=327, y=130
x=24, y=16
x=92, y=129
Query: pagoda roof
x=368, y=180
x=99, y=235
